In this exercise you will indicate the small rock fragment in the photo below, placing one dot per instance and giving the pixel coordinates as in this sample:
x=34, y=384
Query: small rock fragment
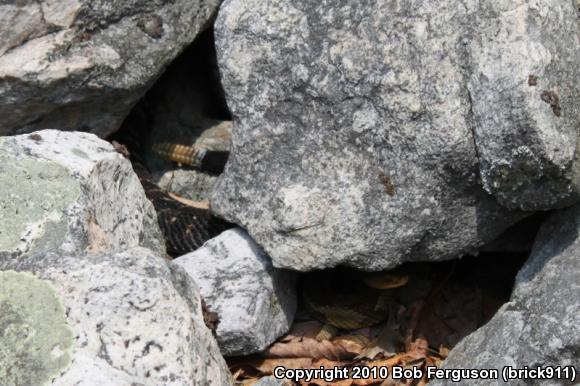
x=255, y=302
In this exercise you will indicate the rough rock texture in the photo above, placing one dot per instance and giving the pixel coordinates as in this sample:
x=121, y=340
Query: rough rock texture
x=70, y=191
x=360, y=127
x=135, y=320
x=272, y=381
x=35, y=339
x=540, y=325
x=255, y=302
x=525, y=94
x=191, y=184
x=81, y=65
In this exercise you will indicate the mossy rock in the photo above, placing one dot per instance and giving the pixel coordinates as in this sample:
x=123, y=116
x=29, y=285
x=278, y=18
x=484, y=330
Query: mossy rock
x=35, y=339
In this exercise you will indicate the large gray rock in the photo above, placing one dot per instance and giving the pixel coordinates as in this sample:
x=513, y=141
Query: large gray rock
x=525, y=94
x=82, y=65
x=360, y=127
x=540, y=325
x=254, y=301
x=135, y=321
x=70, y=191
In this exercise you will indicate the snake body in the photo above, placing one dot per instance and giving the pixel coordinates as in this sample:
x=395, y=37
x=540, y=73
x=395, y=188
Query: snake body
x=343, y=299
x=184, y=227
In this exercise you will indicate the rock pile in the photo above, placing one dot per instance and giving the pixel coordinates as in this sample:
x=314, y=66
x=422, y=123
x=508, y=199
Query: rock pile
x=363, y=134
x=539, y=325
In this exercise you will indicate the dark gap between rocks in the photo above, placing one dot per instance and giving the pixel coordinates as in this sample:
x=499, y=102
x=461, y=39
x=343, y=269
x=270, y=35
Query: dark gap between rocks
x=178, y=138
x=415, y=323
x=421, y=321
x=186, y=101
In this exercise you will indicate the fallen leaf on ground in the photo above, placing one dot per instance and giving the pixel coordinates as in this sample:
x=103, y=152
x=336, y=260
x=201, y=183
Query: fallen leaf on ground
x=386, y=343
x=341, y=348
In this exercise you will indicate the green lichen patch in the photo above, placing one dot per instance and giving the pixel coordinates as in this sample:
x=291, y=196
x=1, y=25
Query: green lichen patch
x=34, y=195
x=80, y=153
x=35, y=339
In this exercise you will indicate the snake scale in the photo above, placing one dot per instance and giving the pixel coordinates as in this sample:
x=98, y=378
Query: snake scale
x=348, y=299
x=184, y=227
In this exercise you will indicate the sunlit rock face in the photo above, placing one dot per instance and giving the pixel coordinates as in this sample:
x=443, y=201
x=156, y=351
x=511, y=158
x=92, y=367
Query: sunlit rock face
x=255, y=302
x=72, y=192
x=82, y=65
x=377, y=132
x=130, y=319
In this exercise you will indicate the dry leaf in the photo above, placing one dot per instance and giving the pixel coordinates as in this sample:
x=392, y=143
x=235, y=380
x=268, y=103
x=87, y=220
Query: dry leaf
x=308, y=329
x=339, y=349
x=249, y=382
x=390, y=382
x=352, y=343
x=422, y=382
x=434, y=312
x=267, y=366
x=418, y=348
x=386, y=343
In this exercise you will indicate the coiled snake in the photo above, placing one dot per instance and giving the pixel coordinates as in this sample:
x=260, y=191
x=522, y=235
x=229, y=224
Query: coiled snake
x=349, y=299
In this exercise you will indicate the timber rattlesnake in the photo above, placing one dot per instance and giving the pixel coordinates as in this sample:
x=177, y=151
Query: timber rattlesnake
x=184, y=227
x=349, y=299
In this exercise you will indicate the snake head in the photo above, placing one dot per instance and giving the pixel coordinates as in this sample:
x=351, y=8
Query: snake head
x=384, y=279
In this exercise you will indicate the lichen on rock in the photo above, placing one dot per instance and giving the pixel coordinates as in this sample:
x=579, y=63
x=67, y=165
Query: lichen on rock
x=36, y=194
x=71, y=192
x=35, y=339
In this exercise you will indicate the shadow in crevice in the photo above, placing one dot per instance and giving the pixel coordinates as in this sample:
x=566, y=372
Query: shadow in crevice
x=441, y=302
x=186, y=99
x=182, y=120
